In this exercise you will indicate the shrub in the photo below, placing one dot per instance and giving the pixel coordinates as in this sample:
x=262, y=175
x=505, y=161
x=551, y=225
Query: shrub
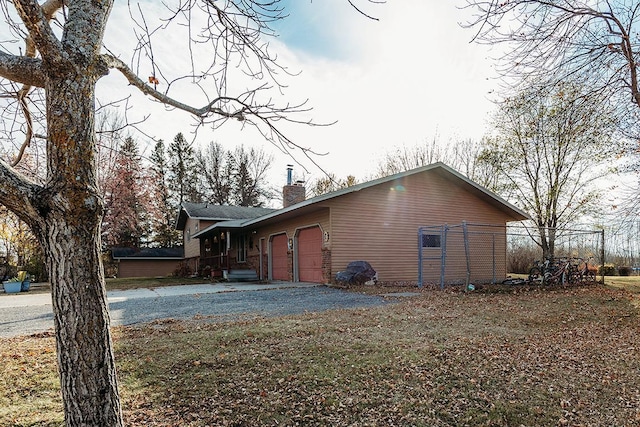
x=182, y=270
x=607, y=270
x=624, y=270
x=205, y=272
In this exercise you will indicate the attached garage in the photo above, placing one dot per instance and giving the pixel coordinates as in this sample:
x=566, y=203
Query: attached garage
x=309, y=250
x=279, y=259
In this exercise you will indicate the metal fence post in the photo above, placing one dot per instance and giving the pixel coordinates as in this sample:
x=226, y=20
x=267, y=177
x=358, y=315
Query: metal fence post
x=443, y=253
x=467, y=255
x=420, y=257
x=493, y=256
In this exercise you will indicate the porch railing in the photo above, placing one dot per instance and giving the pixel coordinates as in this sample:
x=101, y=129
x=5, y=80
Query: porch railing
x=216, y=262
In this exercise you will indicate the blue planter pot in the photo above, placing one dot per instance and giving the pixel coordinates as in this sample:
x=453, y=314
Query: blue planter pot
x=12, y=287
x=26, y=284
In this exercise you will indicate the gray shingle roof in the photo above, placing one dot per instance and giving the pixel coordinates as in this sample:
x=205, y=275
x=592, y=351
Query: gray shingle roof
x=214, y=212
x=222, y=212
x=439, y=168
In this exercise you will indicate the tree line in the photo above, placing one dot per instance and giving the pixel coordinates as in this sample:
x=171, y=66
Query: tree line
x=143, y=196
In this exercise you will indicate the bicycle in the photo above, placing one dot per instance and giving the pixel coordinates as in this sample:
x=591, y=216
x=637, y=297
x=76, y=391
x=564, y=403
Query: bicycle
x=585, y=271
x=553, y=271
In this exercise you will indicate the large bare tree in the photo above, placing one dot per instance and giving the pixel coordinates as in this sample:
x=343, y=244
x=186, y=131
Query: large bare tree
x=52, y=54
x=552, y=41
x=547, y=152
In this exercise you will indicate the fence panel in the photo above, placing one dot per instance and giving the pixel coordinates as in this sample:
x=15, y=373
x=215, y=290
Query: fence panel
x=482, y=254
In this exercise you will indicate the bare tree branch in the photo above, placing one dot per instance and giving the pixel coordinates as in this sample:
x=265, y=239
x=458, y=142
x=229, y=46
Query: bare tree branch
x=49, y=8
x=36, y=20
x=244, y=109
x=556, y=40
x=19, y=194
x=363, y=13
x=22, y=69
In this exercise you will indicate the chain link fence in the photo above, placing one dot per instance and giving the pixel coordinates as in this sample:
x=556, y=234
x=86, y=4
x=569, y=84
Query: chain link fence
x=486, y=254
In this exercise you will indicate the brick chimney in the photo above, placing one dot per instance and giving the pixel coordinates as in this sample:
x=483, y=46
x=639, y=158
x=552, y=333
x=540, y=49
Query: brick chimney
x=292, y=193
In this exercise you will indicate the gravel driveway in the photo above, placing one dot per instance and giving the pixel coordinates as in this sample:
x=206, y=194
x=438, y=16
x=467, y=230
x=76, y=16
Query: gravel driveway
x=219, y=306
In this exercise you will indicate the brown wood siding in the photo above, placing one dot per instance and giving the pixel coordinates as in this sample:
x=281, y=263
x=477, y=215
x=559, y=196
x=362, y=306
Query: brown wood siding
x=380, y=224
x=191, y=246
x=147, y=268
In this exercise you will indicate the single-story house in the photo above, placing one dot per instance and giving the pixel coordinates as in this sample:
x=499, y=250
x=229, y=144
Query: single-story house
x=147, y=262
x=311, y=240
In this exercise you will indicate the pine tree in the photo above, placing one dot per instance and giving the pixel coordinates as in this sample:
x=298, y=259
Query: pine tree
x=249, y=176
x=163, y=210
x=244, y=185
x=183, y=179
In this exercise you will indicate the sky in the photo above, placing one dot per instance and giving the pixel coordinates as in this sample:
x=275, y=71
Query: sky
x=408, y=77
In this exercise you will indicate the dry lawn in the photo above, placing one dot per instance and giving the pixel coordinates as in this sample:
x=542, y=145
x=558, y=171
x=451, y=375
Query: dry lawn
x=522, y=358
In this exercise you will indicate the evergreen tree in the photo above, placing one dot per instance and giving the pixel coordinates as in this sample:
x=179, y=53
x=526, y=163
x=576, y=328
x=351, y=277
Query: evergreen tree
x=183, y=178
x=163, y=210
x=244, y=185
x=249, y=176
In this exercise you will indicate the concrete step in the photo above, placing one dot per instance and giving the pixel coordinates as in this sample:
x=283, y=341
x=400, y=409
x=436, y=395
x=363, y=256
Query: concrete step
x=242, y=275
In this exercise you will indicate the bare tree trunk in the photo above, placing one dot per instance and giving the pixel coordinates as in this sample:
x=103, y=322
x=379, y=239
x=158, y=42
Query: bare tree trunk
x=85, y=357
x=70, y=235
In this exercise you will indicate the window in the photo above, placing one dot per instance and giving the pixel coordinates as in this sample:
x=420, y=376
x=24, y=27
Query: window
x=242, y=248
x=430, y=240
